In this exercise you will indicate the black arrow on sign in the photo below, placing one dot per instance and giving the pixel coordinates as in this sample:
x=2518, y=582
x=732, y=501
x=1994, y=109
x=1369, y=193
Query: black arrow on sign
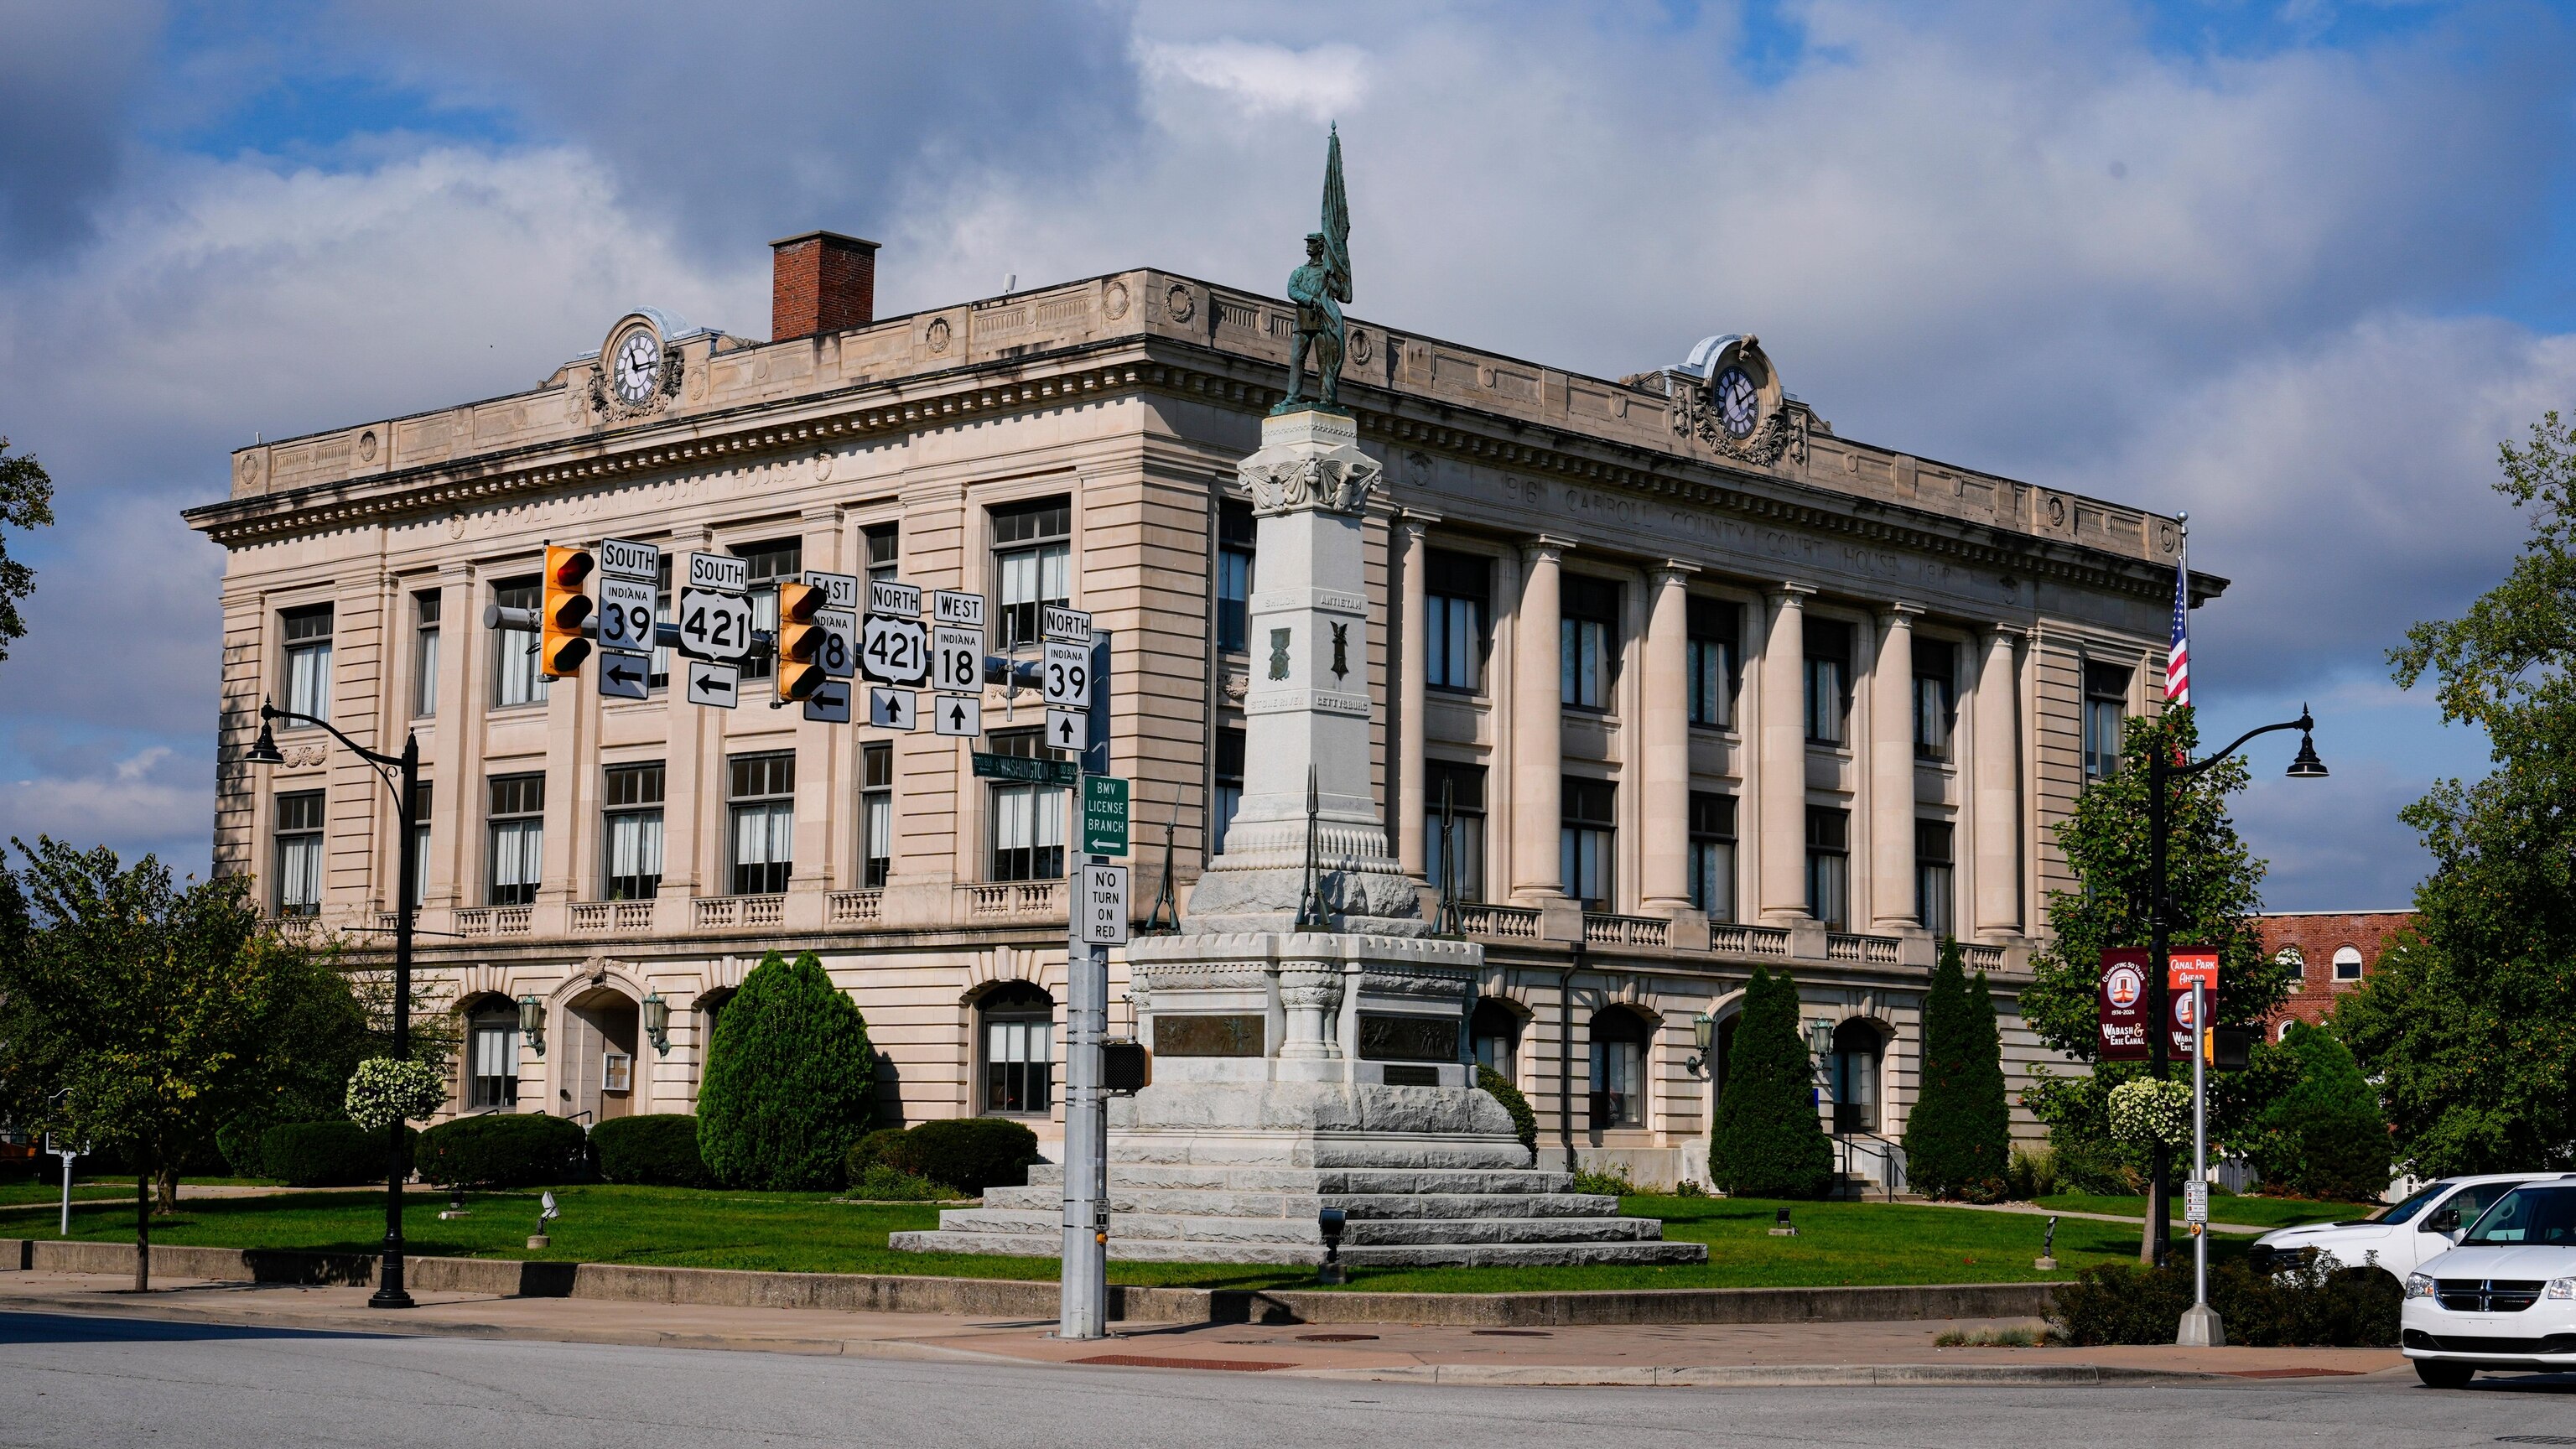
x=1068, y=733
x=624, y=672
x=957, y=717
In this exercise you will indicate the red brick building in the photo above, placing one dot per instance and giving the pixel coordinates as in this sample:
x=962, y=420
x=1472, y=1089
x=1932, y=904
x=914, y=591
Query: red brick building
x=2336, y=951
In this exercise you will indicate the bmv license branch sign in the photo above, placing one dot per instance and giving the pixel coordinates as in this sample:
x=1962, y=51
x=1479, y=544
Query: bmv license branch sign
x=1104, y=815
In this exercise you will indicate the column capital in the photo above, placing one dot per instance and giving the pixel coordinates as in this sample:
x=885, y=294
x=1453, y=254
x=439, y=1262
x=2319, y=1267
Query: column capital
x=826, y=515
x=1789, y=593
x=2007, y=632
x=1900, y=609
x=1672, y=571
x=1545, y=545
x=1415, y=522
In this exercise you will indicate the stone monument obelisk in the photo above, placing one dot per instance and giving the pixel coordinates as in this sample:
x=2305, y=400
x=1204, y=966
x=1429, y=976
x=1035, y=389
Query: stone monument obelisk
x=1309, y=1033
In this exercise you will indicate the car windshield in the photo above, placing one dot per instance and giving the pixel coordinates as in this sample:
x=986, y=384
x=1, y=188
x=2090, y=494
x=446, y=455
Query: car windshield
x=2413, y=1205
x=2542, y=1216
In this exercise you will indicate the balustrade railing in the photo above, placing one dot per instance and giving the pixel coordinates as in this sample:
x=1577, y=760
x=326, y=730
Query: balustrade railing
x=855, y=908
x=1727, y=939
x=1509, y=923
x=1603, y=929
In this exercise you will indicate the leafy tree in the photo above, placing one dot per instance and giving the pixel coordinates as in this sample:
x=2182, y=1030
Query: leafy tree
x=1769, y=1141
x=1959, y=1137
x=2214, y=884
x=2323, y=1138
x=26, y=501
x=159, y=1009
x=2470, y=1026
x=790, y=1079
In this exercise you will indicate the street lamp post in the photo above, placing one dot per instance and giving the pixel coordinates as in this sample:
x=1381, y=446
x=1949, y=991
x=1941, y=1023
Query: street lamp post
x=389, y=1277
x=2161, y=773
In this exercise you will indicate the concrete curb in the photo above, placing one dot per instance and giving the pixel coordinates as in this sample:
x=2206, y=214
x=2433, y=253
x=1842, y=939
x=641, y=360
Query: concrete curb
x=1017, y=1298
x=1752, y=1376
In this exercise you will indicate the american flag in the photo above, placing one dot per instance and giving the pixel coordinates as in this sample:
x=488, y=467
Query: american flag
x=2178, y=656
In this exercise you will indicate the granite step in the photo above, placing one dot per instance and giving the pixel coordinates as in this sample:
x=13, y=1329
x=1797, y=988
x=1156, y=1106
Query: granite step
x=1185, y=1250
x=1304, y=1205
x=1319, y=1179
x=1200, y=1227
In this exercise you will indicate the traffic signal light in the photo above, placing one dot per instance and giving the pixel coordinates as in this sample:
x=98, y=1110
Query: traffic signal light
x=800, y=641
x=567, y=608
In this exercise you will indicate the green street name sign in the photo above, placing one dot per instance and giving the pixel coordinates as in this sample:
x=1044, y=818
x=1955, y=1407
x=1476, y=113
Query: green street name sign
x=1024, y=770
x=1104, y=815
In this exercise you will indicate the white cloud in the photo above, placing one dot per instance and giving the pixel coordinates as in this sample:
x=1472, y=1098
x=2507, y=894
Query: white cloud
x=132, y=806
x=1259, y=80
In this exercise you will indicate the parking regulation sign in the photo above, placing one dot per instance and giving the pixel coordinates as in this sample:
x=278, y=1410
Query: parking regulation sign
x=1104, y=905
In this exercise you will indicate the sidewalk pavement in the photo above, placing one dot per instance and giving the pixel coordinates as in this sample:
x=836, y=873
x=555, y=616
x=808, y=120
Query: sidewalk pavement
x=1821, y=1354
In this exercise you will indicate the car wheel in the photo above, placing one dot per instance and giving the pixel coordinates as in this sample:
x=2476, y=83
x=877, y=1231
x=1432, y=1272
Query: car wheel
x=2443, y=1374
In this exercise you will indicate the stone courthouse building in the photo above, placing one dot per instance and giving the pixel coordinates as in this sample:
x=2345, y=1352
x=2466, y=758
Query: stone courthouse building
x=1702, y=683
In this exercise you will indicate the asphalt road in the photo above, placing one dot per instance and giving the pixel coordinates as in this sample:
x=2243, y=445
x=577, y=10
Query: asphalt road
x=67, y=1380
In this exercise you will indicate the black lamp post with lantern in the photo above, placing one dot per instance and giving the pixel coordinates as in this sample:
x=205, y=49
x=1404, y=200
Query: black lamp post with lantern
x=402, y=773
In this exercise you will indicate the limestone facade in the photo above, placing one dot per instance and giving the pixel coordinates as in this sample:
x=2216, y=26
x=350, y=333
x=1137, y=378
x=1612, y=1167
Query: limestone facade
x=1593, y=613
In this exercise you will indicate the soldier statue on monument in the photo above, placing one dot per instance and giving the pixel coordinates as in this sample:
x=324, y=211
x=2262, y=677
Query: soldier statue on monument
x=1318, y=288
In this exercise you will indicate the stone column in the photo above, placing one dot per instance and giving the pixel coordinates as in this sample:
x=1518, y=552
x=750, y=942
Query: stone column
x=1997, y=748
x=1663, y=748
x=1412, y=691
x=1781, y=807
x=1892, y=905
x=1538, y=712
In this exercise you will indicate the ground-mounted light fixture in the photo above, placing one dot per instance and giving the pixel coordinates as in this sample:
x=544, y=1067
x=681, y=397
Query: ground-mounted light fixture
x=1334, y=1271
x=1781, y=1227
x=657, y=1023
x=532, y=1023
x=1703, y=1031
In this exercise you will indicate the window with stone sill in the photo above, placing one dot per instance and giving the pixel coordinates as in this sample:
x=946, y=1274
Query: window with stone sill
x=1032, y=567
x=1829, y=672
x=518, y=676
x=515, y=823
x=299, y=853
x=768, y=564
x=1588, y=642
x=1936, y=667
x=1458, y=591
x=1712, y=854
x=307, y=682
x=762, y=809
x=1027, y=821
x=1715, y=626
x=1588, y=841
x=1234, y=555
x=876, y=815
x=633, y=817
x=1829, y=866
x=1229, y=786
x=2347, y=963
x=1461, y=856
x=1618, y=1081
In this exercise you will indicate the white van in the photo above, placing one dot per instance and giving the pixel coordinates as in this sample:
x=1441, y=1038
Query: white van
x=2414, y=1231
x=2505, y=1298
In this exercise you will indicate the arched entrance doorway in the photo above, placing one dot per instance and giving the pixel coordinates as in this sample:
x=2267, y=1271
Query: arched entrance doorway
x=1017, y=1046
x=599, y=1056
x=1859, y=1049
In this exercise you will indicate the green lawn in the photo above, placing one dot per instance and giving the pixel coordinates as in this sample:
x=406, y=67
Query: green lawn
x=12, y=1193
x=2257, y=1212
x=1838, y=1243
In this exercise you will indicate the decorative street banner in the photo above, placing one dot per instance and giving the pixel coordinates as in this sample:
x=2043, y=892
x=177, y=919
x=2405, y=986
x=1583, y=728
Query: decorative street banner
x=2184, y=965
x=2122, y=1005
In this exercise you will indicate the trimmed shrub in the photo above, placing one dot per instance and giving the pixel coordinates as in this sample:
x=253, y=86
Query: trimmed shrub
x=2322, y=1304
x=327, y=1154
x=1524, y=1121
x=790, y=1080
x=2325, y=1137
x=967, y=1154
x=504, y=1149
x=1769, y=1141
x=660, y=1150
x=1958, y=1137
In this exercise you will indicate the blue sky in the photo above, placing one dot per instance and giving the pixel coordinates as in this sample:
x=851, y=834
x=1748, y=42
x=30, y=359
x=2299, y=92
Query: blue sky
x=2296, y=268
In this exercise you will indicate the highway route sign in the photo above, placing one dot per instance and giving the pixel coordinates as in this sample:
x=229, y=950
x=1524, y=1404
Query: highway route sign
x=961, y=715
x=717, y=685
x=893, y=709
x=624, y=676
x=840, y=658
x=829, y=703
x=625, y=614
x=1066, y=675
x=957, y=658
x=894, y=650
x=1104, y=905
x=714, y=625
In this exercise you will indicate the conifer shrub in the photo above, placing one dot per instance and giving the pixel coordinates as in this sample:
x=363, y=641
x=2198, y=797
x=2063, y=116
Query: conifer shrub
x=1959, y=1136
x=1524, y=1121
x=1769, y=1141
x=2324, y=1137
x=658, y=1150
x=790, y=1080
x=504, y=1149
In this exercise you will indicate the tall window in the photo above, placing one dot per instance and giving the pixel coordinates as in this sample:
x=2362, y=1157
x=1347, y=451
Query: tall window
x=1464, y=852
x=1715, y=626
x=1935, y=887
x=517, y=824
x=308, y=660
x=762, y=810
x=1234, y=535
x=768, y=564
x=299, y=853
x=1019, y=1066
x=659, y=671
x=884, y=544
x=1829, y=865
x=1618, y=1069
x=1936, y=673
x=1828, y=682
x=492, y=1050
x=420, y=843
x=634, y=811
x=1028, y=820
x=1458, y=599
x=1032, y=565
x=1857, y=1049
x=1712, y=854
x=517, y=670
x=876, y=814
x=1229, y=786
x=1588, y=642
x=424, y=654
x=1495, y=1030
x=1586, y=840
x=2106, y=700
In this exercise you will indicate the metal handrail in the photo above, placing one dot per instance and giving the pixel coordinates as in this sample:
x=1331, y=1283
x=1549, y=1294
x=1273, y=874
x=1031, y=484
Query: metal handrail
x=1889, y=1153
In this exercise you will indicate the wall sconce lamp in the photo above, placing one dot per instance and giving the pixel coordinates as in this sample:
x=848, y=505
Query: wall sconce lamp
x=1820, y=1037
x=532, y=1024
x=657, y=1023
x=1703, y=1031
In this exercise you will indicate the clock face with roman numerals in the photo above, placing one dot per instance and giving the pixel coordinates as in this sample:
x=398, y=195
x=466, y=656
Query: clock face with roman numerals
x=637, y=365
x=1739, y=404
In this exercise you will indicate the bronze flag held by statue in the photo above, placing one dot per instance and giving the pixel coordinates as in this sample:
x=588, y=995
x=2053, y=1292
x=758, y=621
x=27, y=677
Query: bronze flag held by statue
x=1318, y=288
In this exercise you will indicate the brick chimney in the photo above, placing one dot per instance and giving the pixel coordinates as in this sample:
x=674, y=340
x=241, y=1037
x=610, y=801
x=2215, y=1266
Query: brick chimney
x=821, y=281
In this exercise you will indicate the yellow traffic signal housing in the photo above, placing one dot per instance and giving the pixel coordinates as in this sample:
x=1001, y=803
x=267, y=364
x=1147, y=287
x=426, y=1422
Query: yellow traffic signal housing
x=800, y=641
x=566, y=609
